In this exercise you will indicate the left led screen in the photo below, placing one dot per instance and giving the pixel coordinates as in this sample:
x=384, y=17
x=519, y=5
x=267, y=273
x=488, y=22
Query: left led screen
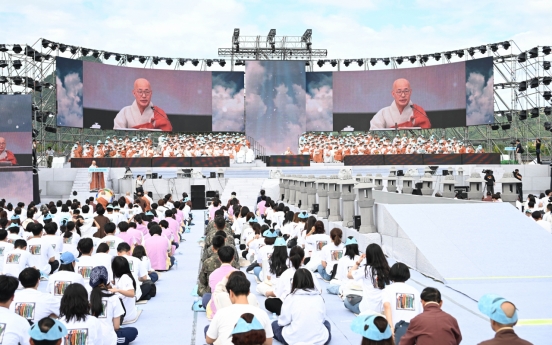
x=15, y=131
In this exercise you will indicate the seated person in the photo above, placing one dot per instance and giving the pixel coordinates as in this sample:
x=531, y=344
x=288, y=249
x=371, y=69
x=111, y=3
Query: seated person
x=15, y=328
x=47, y=331
x=30, y=303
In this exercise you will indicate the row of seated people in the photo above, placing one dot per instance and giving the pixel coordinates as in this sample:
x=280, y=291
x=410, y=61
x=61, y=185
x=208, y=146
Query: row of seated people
x=96, y=264
x=233, y=145
x=289, y=253
x=325, y=148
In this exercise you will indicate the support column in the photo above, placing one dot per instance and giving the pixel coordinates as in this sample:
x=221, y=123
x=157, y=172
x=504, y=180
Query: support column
x=509, y=188
x=366, y=205
x=322, y=190
x=282, y=188
x=311, y=192
x=408, y=184
x=448, y=187
x=476, y=186
x=292, y=182
x=427, y=184
x=302, y=191
x=286, y=188
x=378, y=181
x=348, y=197
x=392, y=180
x=333, y=195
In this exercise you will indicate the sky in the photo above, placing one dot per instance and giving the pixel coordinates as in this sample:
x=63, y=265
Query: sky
x=347, y=28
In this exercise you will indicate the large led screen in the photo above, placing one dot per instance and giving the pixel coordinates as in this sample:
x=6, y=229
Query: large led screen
x=447, y=95
x=275, y=104
x=15, y=130
x=17, y=185
x=228, y=94
x=69, y=92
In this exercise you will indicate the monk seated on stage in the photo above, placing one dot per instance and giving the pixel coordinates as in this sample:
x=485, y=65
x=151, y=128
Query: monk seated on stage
x=6, y=156
x=142, y=114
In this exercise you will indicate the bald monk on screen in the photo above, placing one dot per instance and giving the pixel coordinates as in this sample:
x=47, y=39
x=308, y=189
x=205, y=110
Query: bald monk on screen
x=6, y=155
x=142, y=114
x=402, y=111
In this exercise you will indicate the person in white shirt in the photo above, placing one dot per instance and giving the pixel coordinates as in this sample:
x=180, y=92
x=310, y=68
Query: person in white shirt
x=15, y=328
x=537, y=216
x=315, y=240
x=59, y=281
x=87, y=261
x=342, y=285
x=297, y=324
x=374, y=276
x=55, y=241
x=110, y=239
x=74, y=315
x=5, y=247
x=224, y=321
x=138, y=269
x=17, y=260
x=401, y=302
x=107, y=307
x=30, y=303
x=548, y=214
x=264, y=253
x=43, y=256
x=126, y=288
x=330, y=255
x=13, y=233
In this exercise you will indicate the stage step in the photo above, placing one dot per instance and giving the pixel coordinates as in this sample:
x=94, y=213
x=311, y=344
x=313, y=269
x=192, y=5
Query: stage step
x=81, y=184
x=247, y=190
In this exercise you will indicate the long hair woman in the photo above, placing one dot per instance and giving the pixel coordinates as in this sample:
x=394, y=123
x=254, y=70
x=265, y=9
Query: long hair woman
x=74, y=313
x=125, y=286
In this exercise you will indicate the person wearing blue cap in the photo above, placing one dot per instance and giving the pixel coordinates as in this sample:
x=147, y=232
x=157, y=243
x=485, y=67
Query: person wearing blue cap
x=248, y=331
x=504, y=317
x=15, y=328
x=59, y=281
x=264, y=253
x=374, y=329
x=47, y=331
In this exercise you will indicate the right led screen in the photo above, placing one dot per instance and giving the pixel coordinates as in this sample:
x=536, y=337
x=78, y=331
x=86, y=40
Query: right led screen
x=448, y=95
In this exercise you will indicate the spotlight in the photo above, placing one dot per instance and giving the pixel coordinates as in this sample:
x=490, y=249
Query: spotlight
x=320, y=63
x=347, y=63
x=494, y=47
x=130, y=58
x=386, y=61
x=547, y=95
x=95, y=53
x=85, y=51
x=3, y=63
x=107, y=55
x=495, y=127
x=239, y=63
x=546, y=50
x=142, y=59
x=209, y=62
x=534, y=113
x=547, y=126
x=3, y=80
x=522, y=86
x=505, y=126
x=307, y=63
x=547, y=110
x=73, y=50
x=546, y=65
x=3, y=48
x=62, y=48
x=360, y=62
x=168, y=61
x=482, y=49
x=471, y=51
x=273, y=47
x=509, y=117
x=546, y=80
x=181, y=61
x=425, y=58
x=523, y=115
x=448, y=55
x=412, y=59
x=155, y=60
x=17, y=49
x=460, y=53
x=522, y=57
x=534, y=82
x=50, y=129
x=17, y=80
x=506, y=45
x=45, y=43
x=118, y=57
x=373, y=61
x=333, y=63
x=534, y=52
x=195, y=62
x=399, y=60
x=222, y=62
x=17, y=64
x=437, y=56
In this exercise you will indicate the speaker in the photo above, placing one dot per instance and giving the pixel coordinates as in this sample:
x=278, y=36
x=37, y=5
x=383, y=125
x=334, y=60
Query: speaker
x=36, y=190
x=213, y=174
x=315, y=208
x=154, y=175
x=357, y=222
x=416, y=191
x=419, y=185
x=211, y=194
x=445, y=172
x=400, y=173
x=198, y=203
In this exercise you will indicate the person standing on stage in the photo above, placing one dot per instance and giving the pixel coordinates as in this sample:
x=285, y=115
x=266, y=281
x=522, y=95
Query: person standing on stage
x=140, y=180
x=96, y=179
x=50, y=154
x=519, y=151
x=538, y=148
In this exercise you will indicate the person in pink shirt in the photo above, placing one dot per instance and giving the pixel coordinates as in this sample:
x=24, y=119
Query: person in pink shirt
x=226, y=255
x=261, y=206
x=158, y=248
x=173, y=225
x=130, y=236
x=141, y=224
x=168, y=234
x=213, y=207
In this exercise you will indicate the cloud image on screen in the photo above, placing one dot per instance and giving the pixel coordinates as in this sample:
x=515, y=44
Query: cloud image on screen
x=228, y=101
x=319, y=101
x=275, y=104
x=69, y=85
x=17, y=186
x=479, y=92
x=16, y=130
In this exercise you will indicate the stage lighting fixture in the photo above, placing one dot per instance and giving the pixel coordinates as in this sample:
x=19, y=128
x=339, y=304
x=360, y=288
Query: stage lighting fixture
x=547, y=95
x=17, y=49
x=273, y=47
x=195, y=62
x=482, y=49
x=494, y=47
x=142, y=59
x=522, y=57
x=209, y=62
x=506, y=45
x=448, y=55
x=523, y=115
x=239, y=63
x=155, y=60
x=547, y=126
x=181, y=61
x=347, y=63
x=222, y=62
x=546, y=65
x=534, y=113
x=399, y=60
x=45, y=43
x=386, y=61
x=168, y=61
x=509, y=117
x=95, y=53
x=546, y=80
x=412, y=59
x=62, y=48
x=3, y=80
x=460, y=53
x=107, y=55
x=471, y=51
x=522, y=86
x=425, y=58
x=50, y=129
x=3, y=48
x=373, y=61
x=320, y=63
x=307, y=63
x=494, y=127
x=17, y=80
x=533, y=83
x=3, y=63
x=437, y=56
x=73, y=50
x=34, y=133
x=505, y=126
x=546, y=50
x=360, y=62
x=17, y=64
x=547, y=110
x=534, y=52
x=47, y=85
x=333, y=63
x=85, y=51
x=130, y=58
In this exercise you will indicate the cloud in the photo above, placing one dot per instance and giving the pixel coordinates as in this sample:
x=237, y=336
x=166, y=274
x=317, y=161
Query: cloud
x=480, y=96
x=319, y=102
x=69, y=101
x=228, y=109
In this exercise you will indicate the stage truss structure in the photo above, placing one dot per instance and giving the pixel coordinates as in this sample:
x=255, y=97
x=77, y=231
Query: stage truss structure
x=522, y=92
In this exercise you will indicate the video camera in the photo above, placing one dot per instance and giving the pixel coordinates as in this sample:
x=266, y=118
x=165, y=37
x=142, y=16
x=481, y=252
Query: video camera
x=487, y=171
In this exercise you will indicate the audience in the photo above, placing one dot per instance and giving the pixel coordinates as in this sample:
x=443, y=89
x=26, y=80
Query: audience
x=503, y=315
x=15, y=327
